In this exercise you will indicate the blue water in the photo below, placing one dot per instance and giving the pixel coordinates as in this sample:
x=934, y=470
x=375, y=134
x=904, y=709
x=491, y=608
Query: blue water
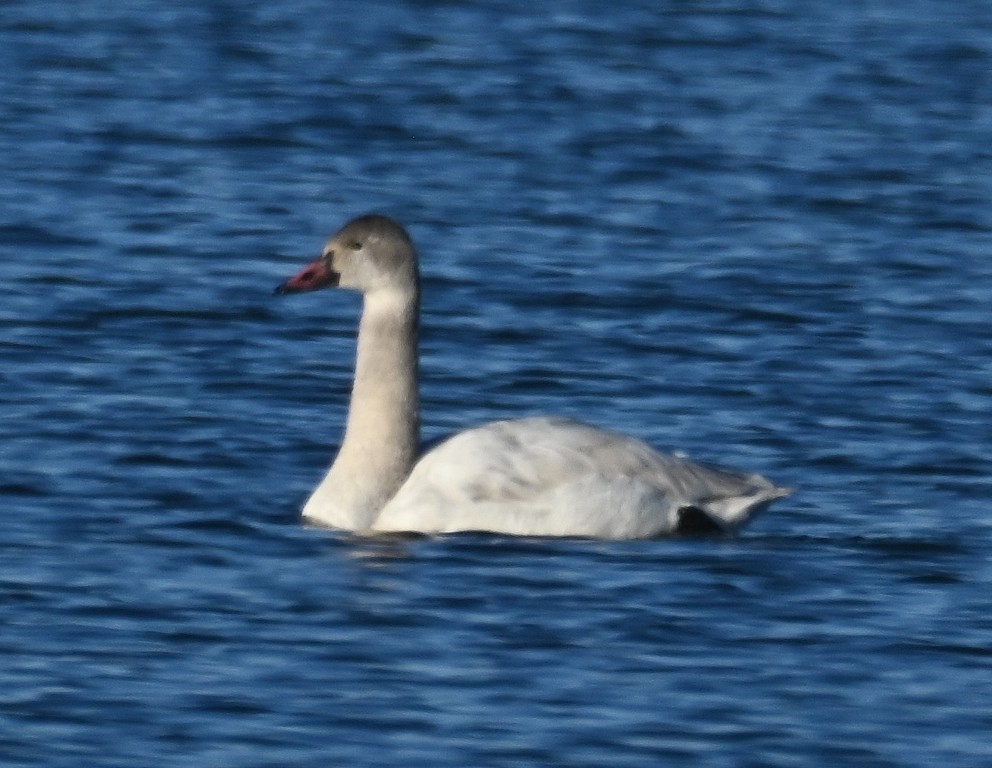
x=757, y=232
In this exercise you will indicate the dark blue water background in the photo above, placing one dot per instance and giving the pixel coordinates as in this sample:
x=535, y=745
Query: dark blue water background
x=758, y=232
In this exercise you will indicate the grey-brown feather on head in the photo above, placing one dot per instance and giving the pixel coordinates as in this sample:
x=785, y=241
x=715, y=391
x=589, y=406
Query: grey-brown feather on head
x=372, y=251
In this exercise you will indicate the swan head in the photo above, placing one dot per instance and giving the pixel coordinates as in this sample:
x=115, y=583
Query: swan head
x=368, y=254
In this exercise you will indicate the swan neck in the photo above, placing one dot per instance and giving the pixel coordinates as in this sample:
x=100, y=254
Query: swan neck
x=384, y=396
x=383, y=426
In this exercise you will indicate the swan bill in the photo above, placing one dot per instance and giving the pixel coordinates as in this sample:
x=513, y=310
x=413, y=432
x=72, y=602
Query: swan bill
x=314, y=276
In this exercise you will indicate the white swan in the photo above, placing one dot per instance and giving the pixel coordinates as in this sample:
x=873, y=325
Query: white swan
x=530, y=477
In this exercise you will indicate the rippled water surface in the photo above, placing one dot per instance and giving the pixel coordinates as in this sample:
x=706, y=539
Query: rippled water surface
x=756, y=232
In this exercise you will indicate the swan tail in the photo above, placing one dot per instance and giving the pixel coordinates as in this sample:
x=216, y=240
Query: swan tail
x=730, y=513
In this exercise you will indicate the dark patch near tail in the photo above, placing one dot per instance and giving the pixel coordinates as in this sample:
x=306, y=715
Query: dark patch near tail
x=695, y=522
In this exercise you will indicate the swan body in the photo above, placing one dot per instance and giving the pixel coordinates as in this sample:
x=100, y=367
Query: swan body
x=528, y=477
x=557, y=477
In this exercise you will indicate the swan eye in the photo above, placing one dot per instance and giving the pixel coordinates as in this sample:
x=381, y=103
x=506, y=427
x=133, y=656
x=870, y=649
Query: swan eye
x=355, y=245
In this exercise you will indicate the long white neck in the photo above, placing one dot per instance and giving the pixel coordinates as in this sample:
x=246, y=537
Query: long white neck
x=383, y=430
